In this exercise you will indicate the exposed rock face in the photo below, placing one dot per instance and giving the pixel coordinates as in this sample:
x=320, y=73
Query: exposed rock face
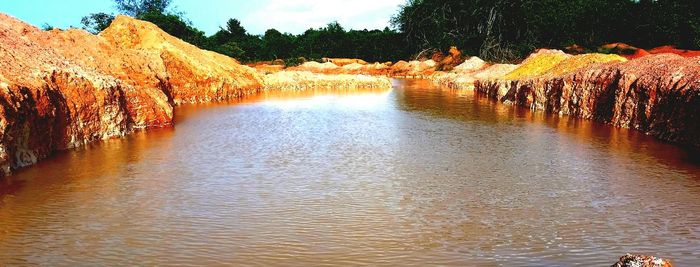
x=657, y=94
x=201, y=76
x=49, y=103
x=142, y=75
x=630, y=260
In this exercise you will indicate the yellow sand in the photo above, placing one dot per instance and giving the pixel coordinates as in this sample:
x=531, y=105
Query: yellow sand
x=580, y=61
x=537, y=64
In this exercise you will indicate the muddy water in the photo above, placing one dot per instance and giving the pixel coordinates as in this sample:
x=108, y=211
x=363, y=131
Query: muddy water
x=414, y=176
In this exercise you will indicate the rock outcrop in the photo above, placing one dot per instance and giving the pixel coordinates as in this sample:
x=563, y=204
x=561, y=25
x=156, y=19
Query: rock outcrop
x=48, y=102
x=658, y=95
x=631, y=260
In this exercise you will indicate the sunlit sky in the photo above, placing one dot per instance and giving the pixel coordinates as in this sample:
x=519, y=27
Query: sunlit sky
x=294, y=16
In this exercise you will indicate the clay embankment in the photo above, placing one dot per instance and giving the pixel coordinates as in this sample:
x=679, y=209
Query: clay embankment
x=658, y=94
x=64, y=89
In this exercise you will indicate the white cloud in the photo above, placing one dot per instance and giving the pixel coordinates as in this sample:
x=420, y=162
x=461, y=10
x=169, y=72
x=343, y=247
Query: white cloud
x=296, y=16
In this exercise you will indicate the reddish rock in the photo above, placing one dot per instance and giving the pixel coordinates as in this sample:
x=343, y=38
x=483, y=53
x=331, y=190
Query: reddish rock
x=575, y=49
x=625, y=50
x=674, y=50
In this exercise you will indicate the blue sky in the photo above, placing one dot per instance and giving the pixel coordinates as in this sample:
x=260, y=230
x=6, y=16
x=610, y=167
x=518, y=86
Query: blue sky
x=294, y=16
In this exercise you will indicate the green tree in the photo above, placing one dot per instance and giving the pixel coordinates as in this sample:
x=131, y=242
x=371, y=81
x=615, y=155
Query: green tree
x=137, y=8
x=47, y=27
x=174, y=25
x=278, y=45
x=509, y=29
x=96, y=22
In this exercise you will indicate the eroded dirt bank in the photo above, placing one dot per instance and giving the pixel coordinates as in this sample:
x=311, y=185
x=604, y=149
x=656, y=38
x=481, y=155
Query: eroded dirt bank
x=63, y=89
x=657, y=94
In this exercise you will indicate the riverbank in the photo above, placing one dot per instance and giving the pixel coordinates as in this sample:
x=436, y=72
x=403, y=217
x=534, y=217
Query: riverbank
x=64, y=89
x=658, y=94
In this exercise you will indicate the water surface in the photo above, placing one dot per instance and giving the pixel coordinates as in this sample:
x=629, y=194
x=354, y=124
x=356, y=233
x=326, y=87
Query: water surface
x=414, y=176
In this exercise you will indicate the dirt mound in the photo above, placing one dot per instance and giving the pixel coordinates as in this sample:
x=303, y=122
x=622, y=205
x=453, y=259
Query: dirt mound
x=142, y=74
x=200, y=75
x=622, y=49
x=315, y=67
x=48, y=103
x=581, y=61
x=471, y=64
x=674, y=50
x=538, y=64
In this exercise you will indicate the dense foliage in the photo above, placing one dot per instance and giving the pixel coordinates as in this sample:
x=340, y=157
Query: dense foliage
x=508, y=29
x=500, y=30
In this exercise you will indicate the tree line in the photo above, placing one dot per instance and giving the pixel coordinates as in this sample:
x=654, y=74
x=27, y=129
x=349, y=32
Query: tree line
x=233, y=39
x=506, y=30
x=497, y=30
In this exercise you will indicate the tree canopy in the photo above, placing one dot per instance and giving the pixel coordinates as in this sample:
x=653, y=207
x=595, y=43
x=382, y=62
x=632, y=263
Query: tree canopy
x=508, y=29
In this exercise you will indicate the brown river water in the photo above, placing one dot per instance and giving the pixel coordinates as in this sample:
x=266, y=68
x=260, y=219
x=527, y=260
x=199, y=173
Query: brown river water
x=414, y=176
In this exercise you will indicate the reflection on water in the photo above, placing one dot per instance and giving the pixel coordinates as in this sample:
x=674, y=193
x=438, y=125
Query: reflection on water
x=414, y=176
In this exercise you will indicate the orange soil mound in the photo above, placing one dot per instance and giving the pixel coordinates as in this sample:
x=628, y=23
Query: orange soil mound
x=413, y=68
x=201, y=75
x=674, y=50
x=51, y=101
x=141, y=73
